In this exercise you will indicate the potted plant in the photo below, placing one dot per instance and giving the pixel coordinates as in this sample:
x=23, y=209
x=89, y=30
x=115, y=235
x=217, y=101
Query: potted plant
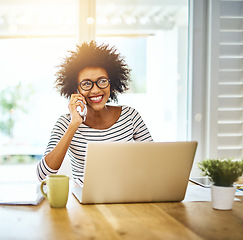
x=223, y=173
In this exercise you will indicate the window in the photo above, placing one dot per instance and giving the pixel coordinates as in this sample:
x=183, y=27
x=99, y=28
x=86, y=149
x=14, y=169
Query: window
x=216, y=71
x=35, y=35
x=153, y=37
x=226, y=80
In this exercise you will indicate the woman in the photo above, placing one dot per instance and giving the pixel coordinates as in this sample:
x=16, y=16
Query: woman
x=93, y=76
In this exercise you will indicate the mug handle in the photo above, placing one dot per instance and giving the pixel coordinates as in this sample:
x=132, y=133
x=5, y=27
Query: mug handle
x=41, y=188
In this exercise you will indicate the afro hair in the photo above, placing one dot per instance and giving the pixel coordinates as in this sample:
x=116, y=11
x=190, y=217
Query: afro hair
x=93, y=55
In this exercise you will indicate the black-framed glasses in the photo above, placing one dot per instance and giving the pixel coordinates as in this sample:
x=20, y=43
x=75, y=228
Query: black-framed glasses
x=87, y=84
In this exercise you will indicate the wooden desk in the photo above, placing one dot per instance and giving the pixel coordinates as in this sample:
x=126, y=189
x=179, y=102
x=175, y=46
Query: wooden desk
x=188, y=220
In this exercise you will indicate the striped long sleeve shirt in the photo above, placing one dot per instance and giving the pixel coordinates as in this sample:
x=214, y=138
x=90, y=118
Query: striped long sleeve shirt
x=129, y=127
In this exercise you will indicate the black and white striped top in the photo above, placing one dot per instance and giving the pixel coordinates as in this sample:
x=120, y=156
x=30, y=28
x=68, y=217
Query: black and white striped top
x=129, y=127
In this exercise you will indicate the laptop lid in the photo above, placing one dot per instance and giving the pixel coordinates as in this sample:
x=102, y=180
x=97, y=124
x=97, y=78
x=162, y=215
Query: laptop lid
x=136, y=172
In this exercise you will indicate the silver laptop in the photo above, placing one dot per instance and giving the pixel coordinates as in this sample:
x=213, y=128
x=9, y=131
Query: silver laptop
x=136, y=172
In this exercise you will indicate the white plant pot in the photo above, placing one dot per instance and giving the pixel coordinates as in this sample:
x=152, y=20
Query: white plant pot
x=222, y=197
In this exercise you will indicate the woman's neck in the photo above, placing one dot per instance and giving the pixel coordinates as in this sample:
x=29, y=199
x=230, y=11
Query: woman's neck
x=102, y=119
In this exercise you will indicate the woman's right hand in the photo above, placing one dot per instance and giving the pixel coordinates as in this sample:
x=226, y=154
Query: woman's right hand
x=55, y=158
x=74, y=102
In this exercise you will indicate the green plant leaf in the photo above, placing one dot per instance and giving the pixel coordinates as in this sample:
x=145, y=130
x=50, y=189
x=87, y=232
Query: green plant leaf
x=223, y=172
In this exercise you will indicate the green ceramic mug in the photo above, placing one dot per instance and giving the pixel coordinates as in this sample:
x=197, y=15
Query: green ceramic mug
x=57, y=188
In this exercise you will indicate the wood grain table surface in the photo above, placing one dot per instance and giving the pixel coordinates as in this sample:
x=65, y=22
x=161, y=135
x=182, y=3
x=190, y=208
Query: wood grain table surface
x=179, y=220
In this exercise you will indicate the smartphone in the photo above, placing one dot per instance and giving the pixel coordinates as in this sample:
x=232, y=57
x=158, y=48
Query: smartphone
x=84, y=112
x=202, y=181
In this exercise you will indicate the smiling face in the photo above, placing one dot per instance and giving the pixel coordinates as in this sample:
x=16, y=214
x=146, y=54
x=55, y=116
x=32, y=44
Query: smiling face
x=96, y=98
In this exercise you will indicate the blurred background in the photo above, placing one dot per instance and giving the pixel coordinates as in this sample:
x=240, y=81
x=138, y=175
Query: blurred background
x=36, y=34
x=186, y=60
